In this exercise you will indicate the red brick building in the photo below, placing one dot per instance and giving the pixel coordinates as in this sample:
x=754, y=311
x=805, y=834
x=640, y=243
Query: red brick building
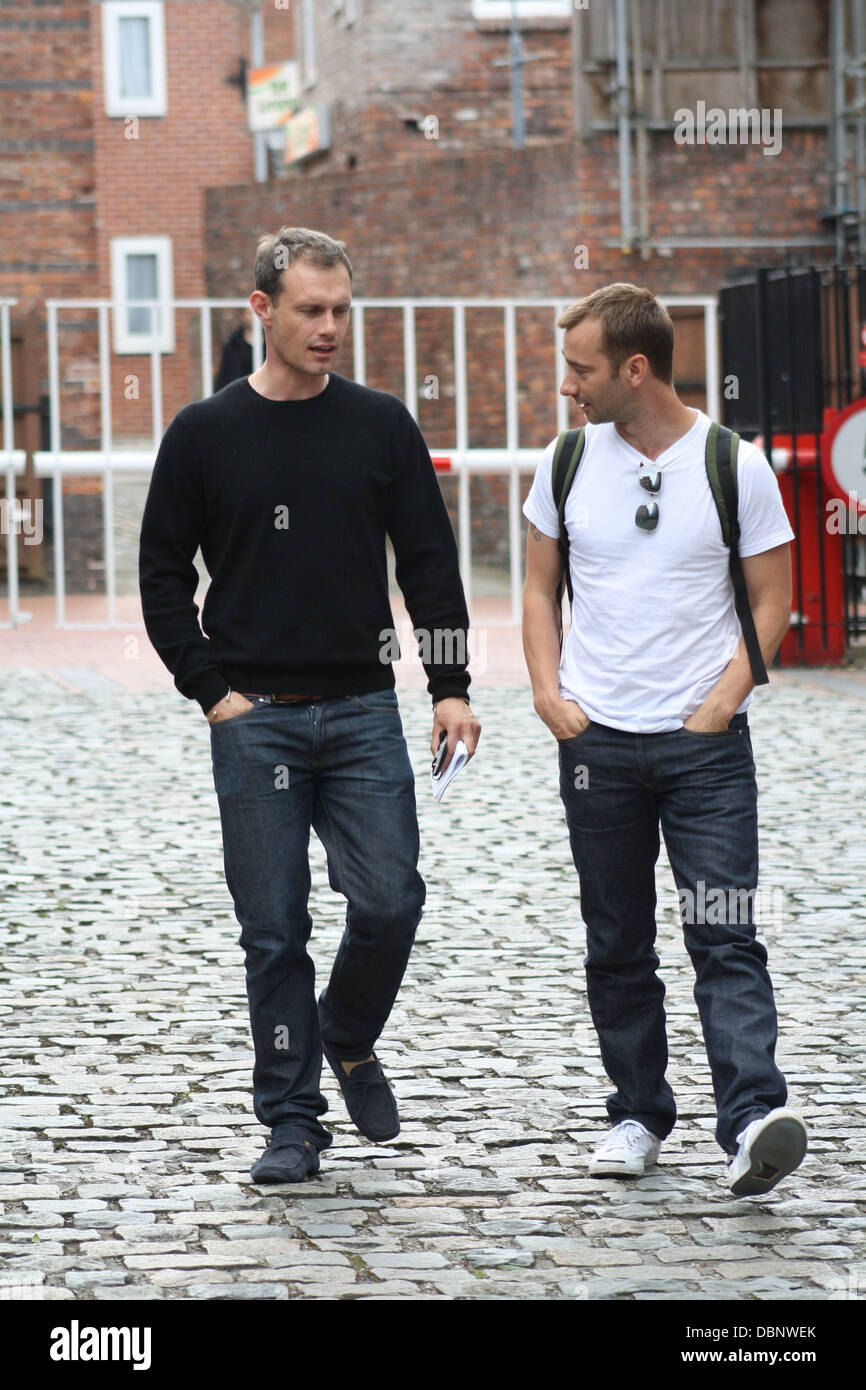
x=421, y=161
x=116, y=118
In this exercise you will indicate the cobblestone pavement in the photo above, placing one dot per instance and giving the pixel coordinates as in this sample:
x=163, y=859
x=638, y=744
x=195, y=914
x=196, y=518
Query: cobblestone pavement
x=127, y=1129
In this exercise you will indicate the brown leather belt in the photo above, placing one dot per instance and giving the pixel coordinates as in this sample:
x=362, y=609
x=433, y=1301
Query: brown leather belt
x=283, y=699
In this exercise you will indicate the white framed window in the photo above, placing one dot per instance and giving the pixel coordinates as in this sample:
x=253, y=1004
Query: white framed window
x=142, y=279
x=133, y=57
x=306, y=45
x=526, y=9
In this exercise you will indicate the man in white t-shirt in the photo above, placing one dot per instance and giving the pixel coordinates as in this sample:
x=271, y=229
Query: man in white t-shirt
x=648, y=702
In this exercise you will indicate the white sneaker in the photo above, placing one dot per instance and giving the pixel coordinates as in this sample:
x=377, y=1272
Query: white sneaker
x=626, y=1152
x=770, y=1148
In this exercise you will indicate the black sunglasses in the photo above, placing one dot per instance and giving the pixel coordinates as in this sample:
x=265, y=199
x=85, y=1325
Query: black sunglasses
x=649, y=476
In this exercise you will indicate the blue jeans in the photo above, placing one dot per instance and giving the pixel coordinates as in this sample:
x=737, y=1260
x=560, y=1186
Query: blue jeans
x=616, y=788
x=341, y=767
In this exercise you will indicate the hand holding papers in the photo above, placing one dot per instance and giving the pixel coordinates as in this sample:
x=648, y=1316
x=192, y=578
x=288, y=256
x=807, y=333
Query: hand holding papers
x=439, y=779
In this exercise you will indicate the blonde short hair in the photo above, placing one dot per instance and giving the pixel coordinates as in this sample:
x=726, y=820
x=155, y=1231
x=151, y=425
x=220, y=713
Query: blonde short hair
x=632, y=320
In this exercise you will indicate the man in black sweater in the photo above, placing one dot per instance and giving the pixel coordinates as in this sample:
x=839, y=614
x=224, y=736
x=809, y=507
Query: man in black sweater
x=289, y=480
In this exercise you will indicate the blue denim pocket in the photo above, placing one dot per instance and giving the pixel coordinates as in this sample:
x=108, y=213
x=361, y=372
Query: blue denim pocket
x=239, y=718
x=575, y=738
x=738, y=725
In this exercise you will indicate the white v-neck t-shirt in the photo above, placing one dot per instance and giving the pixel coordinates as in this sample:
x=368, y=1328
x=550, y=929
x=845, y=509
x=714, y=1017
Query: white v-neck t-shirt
x=653, y=623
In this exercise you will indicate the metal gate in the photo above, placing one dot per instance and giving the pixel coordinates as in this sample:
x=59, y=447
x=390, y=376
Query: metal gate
x=791, y=358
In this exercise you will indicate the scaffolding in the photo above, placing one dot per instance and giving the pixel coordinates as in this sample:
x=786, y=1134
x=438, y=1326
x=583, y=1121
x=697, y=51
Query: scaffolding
x=634, y=61
x=847, y=133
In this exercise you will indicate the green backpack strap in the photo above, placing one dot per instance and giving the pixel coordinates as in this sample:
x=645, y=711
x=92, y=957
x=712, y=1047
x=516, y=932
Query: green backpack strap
x=566, y=457
x=721, y=463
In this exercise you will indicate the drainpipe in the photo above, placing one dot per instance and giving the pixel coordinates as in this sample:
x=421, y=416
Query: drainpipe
x=837, y=61
x=516, y=62
x=257, y=56
x=622, y=104
x=641, y=135
x=860, y=108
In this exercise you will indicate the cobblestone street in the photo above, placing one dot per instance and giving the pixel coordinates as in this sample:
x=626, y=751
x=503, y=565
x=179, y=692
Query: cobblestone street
x=127, y=1127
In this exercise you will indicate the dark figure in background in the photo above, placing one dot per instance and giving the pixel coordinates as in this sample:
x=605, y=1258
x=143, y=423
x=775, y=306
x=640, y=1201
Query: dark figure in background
x=237, y=354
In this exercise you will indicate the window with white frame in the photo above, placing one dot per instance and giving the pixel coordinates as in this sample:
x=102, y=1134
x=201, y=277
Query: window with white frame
x=142, y=289
x=526, y=9
x=133, y=57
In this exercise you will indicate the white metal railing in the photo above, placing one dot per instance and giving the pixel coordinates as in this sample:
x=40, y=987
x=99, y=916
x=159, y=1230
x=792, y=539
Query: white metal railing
x=56, y=463
x=12, y=461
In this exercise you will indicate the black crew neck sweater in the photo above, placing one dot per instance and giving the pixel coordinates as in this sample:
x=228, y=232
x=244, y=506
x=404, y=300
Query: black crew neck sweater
x=291, y=502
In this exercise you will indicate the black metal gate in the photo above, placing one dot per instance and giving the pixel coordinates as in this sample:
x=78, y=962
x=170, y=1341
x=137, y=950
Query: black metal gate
x=790, y=344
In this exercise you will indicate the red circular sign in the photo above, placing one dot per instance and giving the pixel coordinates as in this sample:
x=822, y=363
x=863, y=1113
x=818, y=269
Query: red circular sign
x=843, y=455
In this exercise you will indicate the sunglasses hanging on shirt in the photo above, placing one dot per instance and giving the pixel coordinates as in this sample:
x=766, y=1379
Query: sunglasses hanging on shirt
x=647, y=515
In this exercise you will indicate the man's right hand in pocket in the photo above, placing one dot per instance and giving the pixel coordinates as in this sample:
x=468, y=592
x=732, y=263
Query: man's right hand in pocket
x=228, y=708
x=564, y=718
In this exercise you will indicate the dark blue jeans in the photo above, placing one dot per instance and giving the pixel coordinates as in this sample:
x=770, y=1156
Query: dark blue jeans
x=341, y=767
x=616, y=788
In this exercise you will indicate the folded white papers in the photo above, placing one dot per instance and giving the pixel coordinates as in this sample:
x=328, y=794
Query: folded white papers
x=456, y=764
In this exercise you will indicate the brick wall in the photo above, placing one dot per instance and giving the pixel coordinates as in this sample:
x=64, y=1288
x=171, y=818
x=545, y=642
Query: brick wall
x=47, y=205
x=399, y=62
x=70, y=180
x=703, y=191
x=468, y=225
x=153, y=185
x=46, y=151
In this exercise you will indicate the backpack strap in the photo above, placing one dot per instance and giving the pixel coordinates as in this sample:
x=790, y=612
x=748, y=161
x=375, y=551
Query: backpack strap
x=566, y=457
x=721, y=464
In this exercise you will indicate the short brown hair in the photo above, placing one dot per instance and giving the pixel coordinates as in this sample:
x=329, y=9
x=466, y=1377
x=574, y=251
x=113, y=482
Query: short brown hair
x=632, y=320
x=278, y=251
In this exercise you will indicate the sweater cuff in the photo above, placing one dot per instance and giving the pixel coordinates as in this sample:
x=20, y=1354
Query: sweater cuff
x=448, y=688
x=209, y=690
